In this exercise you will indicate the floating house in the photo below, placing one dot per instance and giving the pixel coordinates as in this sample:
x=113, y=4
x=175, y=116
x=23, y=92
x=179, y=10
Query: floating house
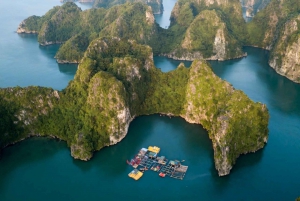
x=175, y=163
x=154, y=149
x=135, y=174
x=162, y=160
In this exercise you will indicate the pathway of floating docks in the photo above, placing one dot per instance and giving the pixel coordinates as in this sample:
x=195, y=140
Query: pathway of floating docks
x=172, y=169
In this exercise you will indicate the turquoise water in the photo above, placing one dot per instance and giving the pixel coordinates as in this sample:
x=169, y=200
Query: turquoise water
x=167, y=64
x=164, y=19
x=42, y=169
x=22, y=61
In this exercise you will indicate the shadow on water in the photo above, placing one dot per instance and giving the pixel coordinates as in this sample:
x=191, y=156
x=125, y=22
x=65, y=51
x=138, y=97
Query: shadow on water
x=69, y=69
x=256, y=78
x=167, y=64
x=28, y=37
x=278, y=95
x=221, y=68
x=242, y=165
x=33, y=150
x=49, y=50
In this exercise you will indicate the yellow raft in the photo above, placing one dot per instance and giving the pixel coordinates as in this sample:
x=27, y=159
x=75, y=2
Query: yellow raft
x=135, y=174
x=154, y=149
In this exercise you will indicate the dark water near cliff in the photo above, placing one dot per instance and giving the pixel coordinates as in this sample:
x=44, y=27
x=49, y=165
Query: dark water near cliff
x=167, y=64
x=42, y=169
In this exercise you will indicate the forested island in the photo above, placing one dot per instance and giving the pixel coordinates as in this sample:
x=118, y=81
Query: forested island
x=117, y=81
x=210, y=30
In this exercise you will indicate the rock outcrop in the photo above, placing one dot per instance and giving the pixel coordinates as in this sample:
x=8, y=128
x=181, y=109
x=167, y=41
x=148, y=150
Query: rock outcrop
x=211, y=30
x=276, y=28
x=75, y=29
x=20, y=110
x=285, y=56
x=207, y=38
x=116, y=81
x=226, y=113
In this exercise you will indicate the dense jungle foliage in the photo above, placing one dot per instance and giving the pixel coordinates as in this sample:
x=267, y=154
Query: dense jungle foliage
x=157, y=6
x=264, y=29
x=75, y=28
x=116, y=81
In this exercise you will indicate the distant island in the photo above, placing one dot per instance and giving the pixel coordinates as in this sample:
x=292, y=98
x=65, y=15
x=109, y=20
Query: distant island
x=156, y=5
x=117, y=81
x=209, y=30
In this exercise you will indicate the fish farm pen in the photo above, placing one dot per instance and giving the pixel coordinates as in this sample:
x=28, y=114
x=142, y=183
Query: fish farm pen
x=148, y=159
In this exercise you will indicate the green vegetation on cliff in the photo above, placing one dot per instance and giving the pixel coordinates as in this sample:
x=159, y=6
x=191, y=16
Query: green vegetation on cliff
x=76, y=29
x=213, y=31
x=19, y=110
x=277, y=28
x=156, y=5
x=205, y=29
x=116, y=81
x=263, y=30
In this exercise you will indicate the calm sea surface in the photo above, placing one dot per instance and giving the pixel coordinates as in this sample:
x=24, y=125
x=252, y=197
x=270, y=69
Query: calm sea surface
x=42, y=169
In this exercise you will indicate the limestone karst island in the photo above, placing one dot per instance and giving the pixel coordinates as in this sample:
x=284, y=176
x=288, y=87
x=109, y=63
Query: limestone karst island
x=114, y=47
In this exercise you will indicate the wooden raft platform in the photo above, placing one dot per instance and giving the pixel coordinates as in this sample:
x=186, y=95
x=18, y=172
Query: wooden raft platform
x=148, y=160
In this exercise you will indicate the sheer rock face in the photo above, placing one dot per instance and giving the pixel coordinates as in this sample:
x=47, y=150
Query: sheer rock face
x=207, y=31
x=206, y=35
x=285, y=57
x=109, y=110
x=276, y=28
x=228, y=123
x=211, y=21
x=107, y=95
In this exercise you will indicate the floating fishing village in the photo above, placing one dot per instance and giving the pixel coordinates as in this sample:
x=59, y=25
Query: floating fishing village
x=148, y=159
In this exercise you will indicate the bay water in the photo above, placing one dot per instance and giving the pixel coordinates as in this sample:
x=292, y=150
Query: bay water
x=42, y=168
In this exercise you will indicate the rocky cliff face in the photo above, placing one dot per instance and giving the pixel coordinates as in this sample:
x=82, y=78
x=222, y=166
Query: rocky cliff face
x=226, y=113
x=109, y=112
x=285, y=57
x=206, y=33
x=208, y=38
x=276, y=28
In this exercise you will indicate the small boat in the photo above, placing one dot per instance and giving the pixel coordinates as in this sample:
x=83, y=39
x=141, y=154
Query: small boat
x=162, y=174
x=182, y=160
